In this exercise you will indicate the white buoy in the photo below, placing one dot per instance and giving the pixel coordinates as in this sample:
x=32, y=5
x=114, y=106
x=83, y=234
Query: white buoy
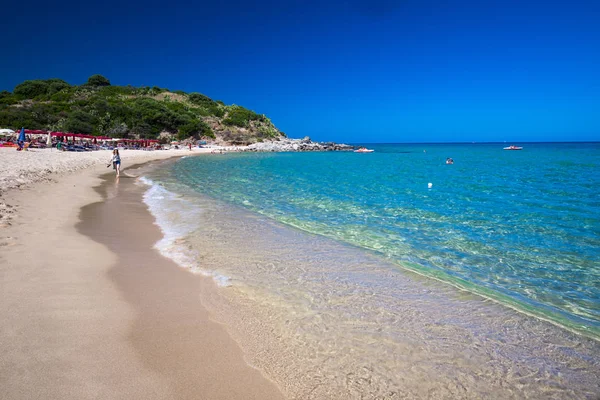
x=429, y=185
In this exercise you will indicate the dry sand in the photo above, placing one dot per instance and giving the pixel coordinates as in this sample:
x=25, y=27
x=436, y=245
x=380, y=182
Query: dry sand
x=20, y=169
x=88, y=308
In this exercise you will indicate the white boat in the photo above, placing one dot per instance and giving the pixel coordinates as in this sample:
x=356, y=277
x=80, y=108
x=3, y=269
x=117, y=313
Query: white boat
x=513, y=148
x=363, y=150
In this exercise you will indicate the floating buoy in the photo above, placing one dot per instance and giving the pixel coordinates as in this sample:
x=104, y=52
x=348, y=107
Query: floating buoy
x=429, y=185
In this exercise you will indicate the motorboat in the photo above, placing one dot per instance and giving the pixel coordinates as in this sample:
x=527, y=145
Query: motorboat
x=513, y=148
x=363, y=150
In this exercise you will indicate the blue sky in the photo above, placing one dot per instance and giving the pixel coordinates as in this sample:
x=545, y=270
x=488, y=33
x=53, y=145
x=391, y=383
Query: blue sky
x=348, y=71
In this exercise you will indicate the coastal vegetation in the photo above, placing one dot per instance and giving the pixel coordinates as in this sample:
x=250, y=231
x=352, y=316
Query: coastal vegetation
x=99, y=108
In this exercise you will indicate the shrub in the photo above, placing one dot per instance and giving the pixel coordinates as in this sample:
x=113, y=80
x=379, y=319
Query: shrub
x=100, y=105
x=117, y=129
x=8, y=98
x=80, y=122
x=267, y=131
x=18, y=117
x=207, y=105
x=218, y=112
x=199, y=99
x=31, y=89
x=240, y=116
x=60, y=96
x=195, y=128
x=98, y=80
x=115, y=90
x=143, y=130
x=56, y=85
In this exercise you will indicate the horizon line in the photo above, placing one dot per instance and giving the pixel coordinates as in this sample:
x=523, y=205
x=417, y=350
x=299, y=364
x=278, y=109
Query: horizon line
x=504, y=142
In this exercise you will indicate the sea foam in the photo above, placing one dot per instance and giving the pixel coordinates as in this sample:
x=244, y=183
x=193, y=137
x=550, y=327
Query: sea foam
x=177, y=219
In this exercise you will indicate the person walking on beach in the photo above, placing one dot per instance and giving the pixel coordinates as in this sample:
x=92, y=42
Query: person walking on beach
x=116, y=161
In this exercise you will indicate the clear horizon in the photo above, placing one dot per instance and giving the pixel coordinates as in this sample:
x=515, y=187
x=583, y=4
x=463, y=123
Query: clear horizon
x=345, y=71
x=492, y=142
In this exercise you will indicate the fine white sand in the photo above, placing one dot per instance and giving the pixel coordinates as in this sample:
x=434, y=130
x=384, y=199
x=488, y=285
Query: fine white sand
x=83, y=318
x=21, y=169
x=24, y=167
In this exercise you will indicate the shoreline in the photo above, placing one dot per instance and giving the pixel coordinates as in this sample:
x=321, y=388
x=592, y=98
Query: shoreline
x=70, y=331
x=303, y=305
x=28, y=169
x=109, y=317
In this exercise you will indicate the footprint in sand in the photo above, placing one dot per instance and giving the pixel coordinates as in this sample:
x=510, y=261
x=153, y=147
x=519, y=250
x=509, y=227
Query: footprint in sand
x=8, y=241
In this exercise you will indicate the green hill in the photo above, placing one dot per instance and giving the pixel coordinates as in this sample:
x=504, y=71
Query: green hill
x=99, y=108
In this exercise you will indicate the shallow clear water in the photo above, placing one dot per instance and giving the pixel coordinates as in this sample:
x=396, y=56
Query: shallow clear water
x=519, y=227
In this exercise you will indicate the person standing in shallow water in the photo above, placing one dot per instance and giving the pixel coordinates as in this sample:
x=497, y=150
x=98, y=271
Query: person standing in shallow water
x=116, y=161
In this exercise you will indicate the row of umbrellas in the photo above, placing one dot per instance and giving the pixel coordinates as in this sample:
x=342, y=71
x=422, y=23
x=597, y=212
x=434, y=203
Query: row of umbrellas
x=64, y=134
x=50, y=134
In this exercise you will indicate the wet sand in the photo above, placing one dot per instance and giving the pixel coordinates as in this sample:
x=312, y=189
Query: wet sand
x=104, y=315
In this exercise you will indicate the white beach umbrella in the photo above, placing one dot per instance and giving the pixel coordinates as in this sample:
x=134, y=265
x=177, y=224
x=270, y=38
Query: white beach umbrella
x=7, y=132
x=49, y=140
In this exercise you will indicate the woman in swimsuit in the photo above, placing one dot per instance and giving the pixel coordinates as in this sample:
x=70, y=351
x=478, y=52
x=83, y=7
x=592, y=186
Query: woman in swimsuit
x=116, y=161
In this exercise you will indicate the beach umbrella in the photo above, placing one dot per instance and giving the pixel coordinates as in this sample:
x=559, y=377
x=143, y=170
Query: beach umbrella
x=21, y=135
x=49, y=139
x=6, y=132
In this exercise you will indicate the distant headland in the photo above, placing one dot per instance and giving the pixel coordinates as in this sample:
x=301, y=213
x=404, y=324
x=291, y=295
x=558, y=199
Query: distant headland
x=99, y=108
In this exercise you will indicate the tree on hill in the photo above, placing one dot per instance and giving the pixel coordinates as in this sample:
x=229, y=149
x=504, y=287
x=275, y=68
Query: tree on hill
x=31, y=89
x=56, y=85
x=40, y=89
x=98, y=80
x=80, y=122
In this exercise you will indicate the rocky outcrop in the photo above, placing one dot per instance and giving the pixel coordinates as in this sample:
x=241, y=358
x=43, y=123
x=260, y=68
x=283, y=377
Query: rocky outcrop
x=305, y=144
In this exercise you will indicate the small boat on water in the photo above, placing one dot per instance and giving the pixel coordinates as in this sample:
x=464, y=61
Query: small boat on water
x=363, y=150
x=513, y=148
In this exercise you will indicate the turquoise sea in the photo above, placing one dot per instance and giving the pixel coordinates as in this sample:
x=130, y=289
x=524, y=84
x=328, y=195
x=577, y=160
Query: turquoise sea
x=500, y=244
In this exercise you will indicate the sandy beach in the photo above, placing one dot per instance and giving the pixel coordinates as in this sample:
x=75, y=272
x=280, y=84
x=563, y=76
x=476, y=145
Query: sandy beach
x=89, y=309
x=94, y=306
